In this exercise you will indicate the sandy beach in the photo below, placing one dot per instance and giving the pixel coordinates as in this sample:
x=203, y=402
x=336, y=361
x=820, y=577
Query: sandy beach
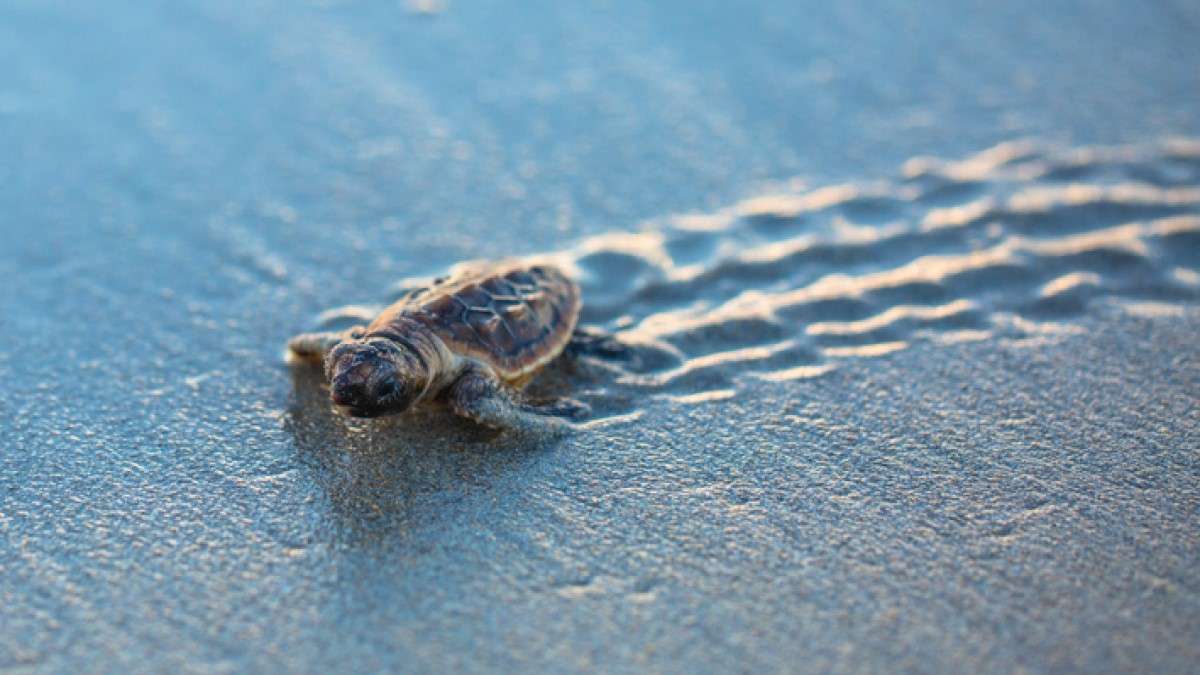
x=910, y=295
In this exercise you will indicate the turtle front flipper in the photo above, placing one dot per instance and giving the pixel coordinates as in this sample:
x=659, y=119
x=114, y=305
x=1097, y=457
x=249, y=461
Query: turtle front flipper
x=480, y=397
x=313, y=347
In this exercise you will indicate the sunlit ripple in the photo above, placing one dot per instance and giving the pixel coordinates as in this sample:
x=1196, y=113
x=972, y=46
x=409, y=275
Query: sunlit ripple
x=704, y=396
x=878, y=349
x=890, y=317
x=1069, y=282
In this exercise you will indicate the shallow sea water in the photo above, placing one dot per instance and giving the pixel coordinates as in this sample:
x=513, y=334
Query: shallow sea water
x=910, y=293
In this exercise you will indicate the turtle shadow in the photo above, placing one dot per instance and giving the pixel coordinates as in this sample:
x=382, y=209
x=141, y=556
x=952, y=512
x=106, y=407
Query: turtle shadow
x=399, y=473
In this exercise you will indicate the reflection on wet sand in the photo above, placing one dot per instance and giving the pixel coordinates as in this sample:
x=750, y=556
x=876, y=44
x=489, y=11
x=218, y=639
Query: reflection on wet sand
x=374, y=471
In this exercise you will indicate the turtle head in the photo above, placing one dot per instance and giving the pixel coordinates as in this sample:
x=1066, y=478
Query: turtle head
x=370, y=377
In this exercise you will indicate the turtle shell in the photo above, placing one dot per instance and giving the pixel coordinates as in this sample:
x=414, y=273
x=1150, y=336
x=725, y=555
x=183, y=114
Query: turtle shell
x=513, y=316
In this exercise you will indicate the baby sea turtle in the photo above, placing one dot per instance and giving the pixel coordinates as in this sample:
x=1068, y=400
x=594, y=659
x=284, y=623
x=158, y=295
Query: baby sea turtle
x=469, y=340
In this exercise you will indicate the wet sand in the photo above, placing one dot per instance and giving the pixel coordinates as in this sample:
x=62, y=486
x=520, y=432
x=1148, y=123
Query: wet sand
x=913, y=381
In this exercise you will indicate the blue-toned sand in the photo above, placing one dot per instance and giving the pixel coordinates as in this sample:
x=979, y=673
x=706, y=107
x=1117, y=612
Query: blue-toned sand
x=911, y=294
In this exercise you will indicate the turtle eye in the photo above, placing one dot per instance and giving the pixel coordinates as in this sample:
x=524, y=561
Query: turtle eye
x=387, y=388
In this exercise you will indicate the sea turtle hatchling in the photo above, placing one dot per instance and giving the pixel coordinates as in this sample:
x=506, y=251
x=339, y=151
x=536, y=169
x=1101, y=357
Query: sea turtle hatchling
x=470, y=340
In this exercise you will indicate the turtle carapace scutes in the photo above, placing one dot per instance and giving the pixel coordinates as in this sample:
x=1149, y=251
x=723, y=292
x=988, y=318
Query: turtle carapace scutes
x=469, y=340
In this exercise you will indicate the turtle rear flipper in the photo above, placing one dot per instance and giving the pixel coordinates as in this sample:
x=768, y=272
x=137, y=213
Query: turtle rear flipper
x=588, y=341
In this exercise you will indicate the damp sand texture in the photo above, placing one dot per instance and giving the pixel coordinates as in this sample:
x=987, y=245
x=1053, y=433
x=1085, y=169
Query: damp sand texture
x=912, y=295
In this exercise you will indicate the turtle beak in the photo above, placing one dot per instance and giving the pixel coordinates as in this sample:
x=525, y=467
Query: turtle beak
x=351, y=411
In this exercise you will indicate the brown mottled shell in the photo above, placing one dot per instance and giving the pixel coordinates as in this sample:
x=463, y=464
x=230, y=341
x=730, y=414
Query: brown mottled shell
x=512, y=316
